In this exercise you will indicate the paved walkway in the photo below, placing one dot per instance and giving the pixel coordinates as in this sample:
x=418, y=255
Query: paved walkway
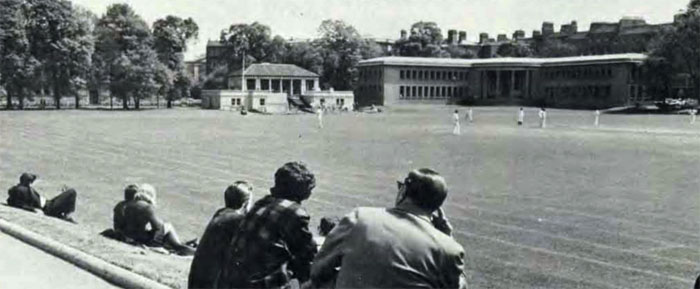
x=23, y=266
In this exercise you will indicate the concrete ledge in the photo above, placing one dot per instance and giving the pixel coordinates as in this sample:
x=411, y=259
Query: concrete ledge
x=112, y=273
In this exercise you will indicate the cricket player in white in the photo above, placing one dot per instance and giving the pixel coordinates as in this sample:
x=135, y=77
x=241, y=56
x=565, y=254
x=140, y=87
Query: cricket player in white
x=597, y=118
x=455, y=117
x=521, y=116
x=470, y=115
x=693, y=113
x=543, y=118
x=319, y=113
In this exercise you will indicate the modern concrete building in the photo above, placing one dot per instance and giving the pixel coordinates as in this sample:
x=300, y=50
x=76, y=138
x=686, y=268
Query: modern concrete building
x=583, y=81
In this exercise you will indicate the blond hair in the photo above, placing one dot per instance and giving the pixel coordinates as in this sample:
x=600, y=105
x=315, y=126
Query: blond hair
x=146, y=193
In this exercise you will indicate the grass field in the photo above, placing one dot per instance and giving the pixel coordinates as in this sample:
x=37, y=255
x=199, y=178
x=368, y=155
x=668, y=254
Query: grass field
x=570, y=206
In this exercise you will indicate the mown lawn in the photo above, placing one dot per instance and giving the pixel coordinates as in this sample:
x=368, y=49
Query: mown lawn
x=570, y=206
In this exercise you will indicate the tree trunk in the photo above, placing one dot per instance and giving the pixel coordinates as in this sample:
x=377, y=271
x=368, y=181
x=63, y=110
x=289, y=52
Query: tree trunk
x=157, y=100
x=170, y=103
x=111, y=101
x=137, y=103
x=21, y=100
x=77, y=101
x=125, y=105
x=56, y=95
x=9, y=98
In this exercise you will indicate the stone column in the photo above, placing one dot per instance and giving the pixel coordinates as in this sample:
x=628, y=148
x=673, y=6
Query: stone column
x=498, y=83
x=244, y=84
x=316, y=85
x=291, y=86
x=281, y=87
x=257, y=83
x=269, y=85
x=512, y=84
x=303, y=86
x=526, y=85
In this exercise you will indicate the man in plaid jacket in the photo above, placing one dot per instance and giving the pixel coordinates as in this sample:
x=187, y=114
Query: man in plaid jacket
x=274, y=244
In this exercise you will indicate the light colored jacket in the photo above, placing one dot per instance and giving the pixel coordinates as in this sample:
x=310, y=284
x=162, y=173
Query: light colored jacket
x=389, y=248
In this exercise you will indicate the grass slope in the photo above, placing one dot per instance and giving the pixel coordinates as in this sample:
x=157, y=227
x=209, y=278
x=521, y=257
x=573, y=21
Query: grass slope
x=571, y=206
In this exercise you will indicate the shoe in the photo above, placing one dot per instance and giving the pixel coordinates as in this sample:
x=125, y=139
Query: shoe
x=69, y=219
x=193, y=243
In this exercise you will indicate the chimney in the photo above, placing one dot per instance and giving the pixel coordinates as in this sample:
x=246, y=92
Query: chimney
x=502, y=38
x=403, y=34
x=451, y=36
x=462, y=37
x=518, y=34
x=536, y=34
x=547, y=28
x=574, y=26
x=483, y=37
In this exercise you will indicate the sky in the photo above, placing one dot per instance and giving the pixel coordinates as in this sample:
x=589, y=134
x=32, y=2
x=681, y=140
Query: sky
x=386, y=18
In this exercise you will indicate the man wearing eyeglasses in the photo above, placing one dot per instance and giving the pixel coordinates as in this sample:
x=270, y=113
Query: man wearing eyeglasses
x=407, y=246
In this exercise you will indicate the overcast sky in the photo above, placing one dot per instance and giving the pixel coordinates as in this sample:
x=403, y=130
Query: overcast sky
x=385, y=18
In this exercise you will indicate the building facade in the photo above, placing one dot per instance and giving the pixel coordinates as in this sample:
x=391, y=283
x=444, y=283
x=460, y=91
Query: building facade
x=584, y=81
x=275, y=88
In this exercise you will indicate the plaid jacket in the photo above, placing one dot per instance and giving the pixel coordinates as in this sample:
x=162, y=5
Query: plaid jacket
x=273, y=246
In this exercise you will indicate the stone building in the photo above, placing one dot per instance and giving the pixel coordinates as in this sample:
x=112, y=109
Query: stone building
x=582, y=81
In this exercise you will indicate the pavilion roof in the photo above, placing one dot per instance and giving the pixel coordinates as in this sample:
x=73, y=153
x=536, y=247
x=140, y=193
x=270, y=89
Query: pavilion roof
x=275, y=70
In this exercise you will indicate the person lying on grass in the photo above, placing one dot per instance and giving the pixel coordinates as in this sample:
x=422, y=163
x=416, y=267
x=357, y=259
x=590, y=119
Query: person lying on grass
x=136, y=220
x=23, y=196
x=208, y=260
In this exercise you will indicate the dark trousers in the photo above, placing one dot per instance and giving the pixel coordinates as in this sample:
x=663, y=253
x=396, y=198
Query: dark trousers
x=61, y=205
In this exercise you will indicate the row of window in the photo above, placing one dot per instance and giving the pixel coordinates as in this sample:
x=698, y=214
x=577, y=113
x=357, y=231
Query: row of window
x=237, y=101
x=431, y=92
x=579, y=91
x=368, y=74
x=433, y=74
x=369, y=89
x=578, y=73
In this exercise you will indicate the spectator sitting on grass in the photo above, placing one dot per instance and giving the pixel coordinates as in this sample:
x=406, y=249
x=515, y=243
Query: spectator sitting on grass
x=208, y=260
x=407, y=246
x=23, y=196
x=139, y=212
x=118, y=219
x=274, y=244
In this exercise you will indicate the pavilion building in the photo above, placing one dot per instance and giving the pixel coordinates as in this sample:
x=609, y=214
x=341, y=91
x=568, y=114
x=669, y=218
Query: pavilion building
x=274, y=88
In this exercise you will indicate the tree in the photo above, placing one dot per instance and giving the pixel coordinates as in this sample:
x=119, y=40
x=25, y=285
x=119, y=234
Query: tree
x=341, y=49
x=304, y=54
x=124, y=48
x=556, y=48
x=18, y=68
x=424, y=41
x=514, y=50
x=171, y=35
x=252, y=40
x=679, y=48
x=456, y=51
x=61, y=40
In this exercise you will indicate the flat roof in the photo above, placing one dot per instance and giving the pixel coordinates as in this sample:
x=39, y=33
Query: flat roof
x=505, y=61
x=275, y=70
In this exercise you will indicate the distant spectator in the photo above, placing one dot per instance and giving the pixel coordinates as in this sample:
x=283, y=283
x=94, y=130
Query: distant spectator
x=138, y=214
x=25, y=197
x=596, y=122
x=208, y=259
x=693, y=114
x=407, y=246
x=274, y=244
x=470, y=115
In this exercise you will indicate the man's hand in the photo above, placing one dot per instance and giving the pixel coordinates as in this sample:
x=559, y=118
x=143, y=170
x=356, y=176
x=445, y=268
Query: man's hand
x=440, y=222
